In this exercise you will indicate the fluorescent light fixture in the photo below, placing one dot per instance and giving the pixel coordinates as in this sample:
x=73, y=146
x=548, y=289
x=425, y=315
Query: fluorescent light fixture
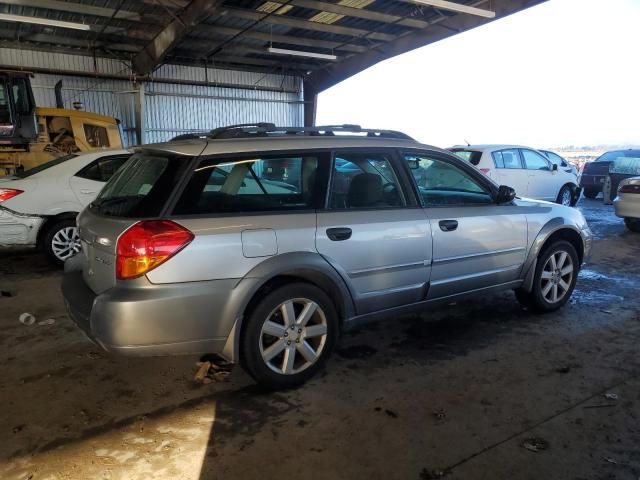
x=300, y=53
x=7, y=17
x=456, y=7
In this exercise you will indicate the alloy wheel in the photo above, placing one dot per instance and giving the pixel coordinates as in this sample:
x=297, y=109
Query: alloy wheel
x=557, y=276
x=293, y=336
x=65, y=243
x=566, y=198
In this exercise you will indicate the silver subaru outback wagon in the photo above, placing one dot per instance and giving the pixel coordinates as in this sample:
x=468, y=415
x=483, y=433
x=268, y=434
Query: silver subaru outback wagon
x=262, y=243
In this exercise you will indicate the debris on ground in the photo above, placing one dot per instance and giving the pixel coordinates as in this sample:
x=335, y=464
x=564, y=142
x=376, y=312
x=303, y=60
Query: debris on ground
x=356, y=352
x=610, y=460
x=440, y=413
x=212, y=368
x=611, y=396
x=609, y=312
x=427, y=474
x=391, y=413
x=5, y=293
x=602, y=405
x=48, y=321
x=563, y=369
x=27, y=319
x=535, y=444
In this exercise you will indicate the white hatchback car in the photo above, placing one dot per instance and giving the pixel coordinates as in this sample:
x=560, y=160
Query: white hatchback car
x=627, y=203
x=524, y=169
x=38, y=207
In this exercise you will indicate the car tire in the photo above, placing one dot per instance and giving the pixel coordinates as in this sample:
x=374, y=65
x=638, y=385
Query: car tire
x=280, y=352
x=591, y=193
x=551, y=287
x=565, y=196
x=633, y=224
x=61, y=241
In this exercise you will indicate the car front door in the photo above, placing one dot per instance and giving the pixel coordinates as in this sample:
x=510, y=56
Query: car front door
x=87, y=183
x=476, y=243
x=374, y=233
x=543, y=181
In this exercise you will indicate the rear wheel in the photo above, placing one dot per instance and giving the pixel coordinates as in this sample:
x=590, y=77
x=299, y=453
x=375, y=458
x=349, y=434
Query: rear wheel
x=289, y=335
x=565, y=196
x=554, y=279
x=591, y=193
x=61, y=241
x=633, y=224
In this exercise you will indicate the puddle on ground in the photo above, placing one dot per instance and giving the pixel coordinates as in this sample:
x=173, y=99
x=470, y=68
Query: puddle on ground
x=587, y=274
x=594, y=297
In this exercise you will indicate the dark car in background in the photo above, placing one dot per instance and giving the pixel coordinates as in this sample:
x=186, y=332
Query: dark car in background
x=595, y=173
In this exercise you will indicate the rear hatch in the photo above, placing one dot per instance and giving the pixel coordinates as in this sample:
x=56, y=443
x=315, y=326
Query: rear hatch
x=138, y=191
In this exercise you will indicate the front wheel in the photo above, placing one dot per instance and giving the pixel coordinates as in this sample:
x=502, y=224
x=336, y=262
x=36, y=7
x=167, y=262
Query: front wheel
x=565, y=196
x=289, y=335
x=633, y=224
x=61, y=241
x=554, y=279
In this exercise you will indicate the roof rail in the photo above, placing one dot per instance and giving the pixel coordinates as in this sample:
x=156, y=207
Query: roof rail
x=269, y=129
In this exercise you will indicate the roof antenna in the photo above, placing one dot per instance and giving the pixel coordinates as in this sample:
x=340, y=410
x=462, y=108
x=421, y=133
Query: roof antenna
x=467, y=142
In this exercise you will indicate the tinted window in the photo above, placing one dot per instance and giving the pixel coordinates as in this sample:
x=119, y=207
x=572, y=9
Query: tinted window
x=96, y=136
x=610, y=156
x=141, y=187
x=6, y=119
x=251, y=185
x=103, y=169
x=21, y=96
x=470, y=156
x=534, y=161
x=507, y=159
x=364, y=181
x=441, y=183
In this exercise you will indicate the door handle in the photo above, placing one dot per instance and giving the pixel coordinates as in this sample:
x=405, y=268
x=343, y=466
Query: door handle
x=339, y=234
x=87, y=191
x=448, y=225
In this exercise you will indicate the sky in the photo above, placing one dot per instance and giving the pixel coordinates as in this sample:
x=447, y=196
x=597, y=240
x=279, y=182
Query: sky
x=566, y=72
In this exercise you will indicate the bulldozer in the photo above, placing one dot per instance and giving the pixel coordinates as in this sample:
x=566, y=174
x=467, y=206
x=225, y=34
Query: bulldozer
x=32, y=135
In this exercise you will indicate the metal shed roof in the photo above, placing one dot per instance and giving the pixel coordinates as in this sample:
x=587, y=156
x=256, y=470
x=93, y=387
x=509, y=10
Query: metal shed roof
x=238, y=34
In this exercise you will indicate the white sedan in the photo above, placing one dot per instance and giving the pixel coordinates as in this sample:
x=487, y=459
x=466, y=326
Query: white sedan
x=38, y=207
x=524, y=169
x=627, y=203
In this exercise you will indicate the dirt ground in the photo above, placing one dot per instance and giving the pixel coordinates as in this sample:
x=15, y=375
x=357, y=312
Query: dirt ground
x=481, y=389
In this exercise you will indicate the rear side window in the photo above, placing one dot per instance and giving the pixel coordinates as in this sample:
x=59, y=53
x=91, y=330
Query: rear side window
x=509, y=159
x=141, y=187
x=470, y=156
x=102, y=169
x=250, y=184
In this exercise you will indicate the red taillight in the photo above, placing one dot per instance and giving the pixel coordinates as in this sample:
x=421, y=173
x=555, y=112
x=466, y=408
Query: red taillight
x=7, y=193
x=148, y=244
x=485, y=170
x=629, y=188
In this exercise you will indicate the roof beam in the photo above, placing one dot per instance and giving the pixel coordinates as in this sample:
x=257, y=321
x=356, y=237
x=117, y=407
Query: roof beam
x=268, y=37
x=455, y=7
x=153, y=54
x=84, y=9
x=305, y=24
x=359, y=13
x=335, y=73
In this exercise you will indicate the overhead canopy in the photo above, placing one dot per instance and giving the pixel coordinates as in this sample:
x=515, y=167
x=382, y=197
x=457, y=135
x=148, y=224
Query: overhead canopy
x=322, y=41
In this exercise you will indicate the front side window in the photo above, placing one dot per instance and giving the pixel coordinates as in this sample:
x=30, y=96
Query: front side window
x=6, y=118
x=509, y=159
x=361, y=180
x=21, y=96
x=443, y=184
x=250, y=184
x=102, y=169
x=96, y=136
x=534, y=161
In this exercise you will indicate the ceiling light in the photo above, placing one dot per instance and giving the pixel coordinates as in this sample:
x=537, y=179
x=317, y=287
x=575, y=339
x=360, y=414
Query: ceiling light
x=456, y=7
x=300, y=53
x=7, y=17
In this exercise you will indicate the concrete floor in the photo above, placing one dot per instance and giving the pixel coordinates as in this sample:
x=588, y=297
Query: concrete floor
x=455, y=392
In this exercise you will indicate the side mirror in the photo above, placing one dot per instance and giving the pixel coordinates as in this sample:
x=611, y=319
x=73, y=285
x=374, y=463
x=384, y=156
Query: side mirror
x=505, y=195
x=413, y=164
x=554, y=167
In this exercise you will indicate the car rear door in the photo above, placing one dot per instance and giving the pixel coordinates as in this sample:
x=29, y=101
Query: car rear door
x=476, y=243
x=87, y=183
x=509, y=170
x=373, y=231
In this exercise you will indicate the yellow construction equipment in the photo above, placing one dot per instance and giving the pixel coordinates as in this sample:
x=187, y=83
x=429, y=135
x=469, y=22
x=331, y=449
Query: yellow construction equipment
x=30, y=135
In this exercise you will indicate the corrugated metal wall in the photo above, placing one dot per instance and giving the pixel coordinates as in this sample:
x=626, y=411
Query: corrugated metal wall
x=170, y=109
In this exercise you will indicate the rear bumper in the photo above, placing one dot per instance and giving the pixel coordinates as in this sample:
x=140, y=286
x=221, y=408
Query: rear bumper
x=627, y=208
x=18, y=229
x=176, y=319
x=592, y=182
